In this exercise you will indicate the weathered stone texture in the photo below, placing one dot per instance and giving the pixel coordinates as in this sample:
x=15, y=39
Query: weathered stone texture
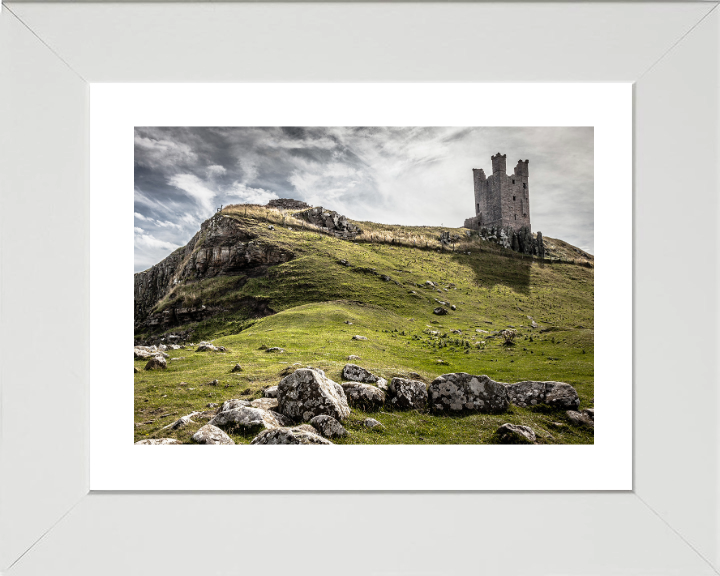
x=307, y=393
x=407, y=394
x=330, y=222
x=462, y=392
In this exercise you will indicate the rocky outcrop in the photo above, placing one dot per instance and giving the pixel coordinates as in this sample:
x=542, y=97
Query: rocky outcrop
x=328, y=426
x=364, y=396
x=221, y=247
x=287, y=204
x=553, y=394
x=462, y=392
x=295, y=435
x=407, y=394
x=330, y=222
x=210, y=434
x=307, y=393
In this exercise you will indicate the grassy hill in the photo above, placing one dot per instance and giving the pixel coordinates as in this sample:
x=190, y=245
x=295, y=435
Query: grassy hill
x=377, y=286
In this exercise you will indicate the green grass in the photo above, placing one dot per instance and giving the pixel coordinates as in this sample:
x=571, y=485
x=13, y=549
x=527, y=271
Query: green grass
x=314, y=295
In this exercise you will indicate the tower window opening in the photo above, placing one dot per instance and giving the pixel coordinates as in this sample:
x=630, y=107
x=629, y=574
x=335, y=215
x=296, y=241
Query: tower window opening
x=513, y=198
x=513, y=181
x=515, y=216
x=524, y=185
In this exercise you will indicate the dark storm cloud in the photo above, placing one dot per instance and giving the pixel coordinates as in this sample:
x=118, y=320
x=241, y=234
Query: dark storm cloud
x=401, y=175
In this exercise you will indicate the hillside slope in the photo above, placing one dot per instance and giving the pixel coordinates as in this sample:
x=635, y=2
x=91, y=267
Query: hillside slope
x=255, y=277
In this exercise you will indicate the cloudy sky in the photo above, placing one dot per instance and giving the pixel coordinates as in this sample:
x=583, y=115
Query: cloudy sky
x=414, y=175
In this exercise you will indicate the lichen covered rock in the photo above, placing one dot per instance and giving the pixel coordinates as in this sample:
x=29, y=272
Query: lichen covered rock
x=514, y=434
x=407, y=394
x=581, y=418
x=249, y=418
x=156, y=363
x=356, y=373
x=307, y=393
x=364, y=396
x=210, y=434
x=270, y=392
x=554, y=394
x=461, y=392
x=295, y=435
x=265, y=403
x=230, y=404
x=157, y=442
x=328, y=426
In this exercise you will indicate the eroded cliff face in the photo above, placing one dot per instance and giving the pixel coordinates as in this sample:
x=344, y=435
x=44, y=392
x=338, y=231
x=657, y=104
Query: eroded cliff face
x=221, y=247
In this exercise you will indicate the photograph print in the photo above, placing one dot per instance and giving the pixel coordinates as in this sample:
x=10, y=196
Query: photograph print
x=363, y=285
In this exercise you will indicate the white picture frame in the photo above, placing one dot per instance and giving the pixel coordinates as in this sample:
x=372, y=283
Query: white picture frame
x=49, y=523
x=115, y=111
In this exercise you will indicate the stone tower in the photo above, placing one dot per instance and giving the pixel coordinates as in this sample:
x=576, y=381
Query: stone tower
x=502, y=201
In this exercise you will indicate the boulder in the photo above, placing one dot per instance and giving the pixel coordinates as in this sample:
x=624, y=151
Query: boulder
x=275, y=350
x=328, y=426
x=353, y=357
x=156, y=363
x=514, y=434
x=372, y=423
x=181, y=422
x=364, y=396
x=249, y=418
x=206, y=347
x=142, y=354
x=554, y=394
x=270, y=392
x=137, y=369
x=307, y=393
x=462, y=392
x=306, y=428
x=265, y=403
x=236, y=368
x=407, y=394
x=295, y=435
x=590, y=413
x=357, y=374
x=230, y=404
x=580, y=419
x=440, y=311
x=157, y=442
x=210, y=434
x=358, y=337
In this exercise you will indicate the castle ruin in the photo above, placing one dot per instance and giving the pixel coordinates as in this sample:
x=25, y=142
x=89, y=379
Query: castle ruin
x=502, y=206
x=501, y=201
